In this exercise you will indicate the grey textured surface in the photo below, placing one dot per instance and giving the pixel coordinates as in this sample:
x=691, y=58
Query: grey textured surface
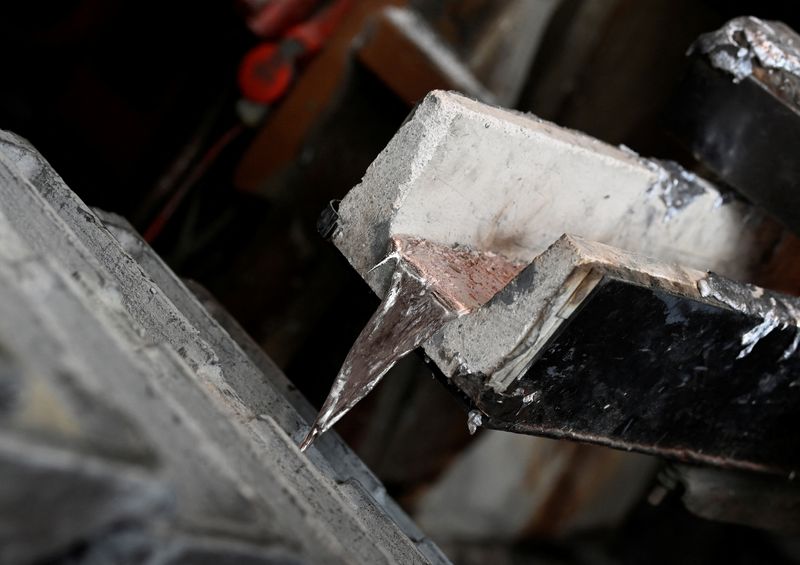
x=191, y=434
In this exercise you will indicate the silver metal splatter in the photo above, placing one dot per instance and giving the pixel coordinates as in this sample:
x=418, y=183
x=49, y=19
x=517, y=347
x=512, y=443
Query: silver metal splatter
x=474, y=421
x=762, y=330
x=409, y=315
x=676, y=186
x=747, y=41
x=431, y=285
x=528, y=398
x=774, y=310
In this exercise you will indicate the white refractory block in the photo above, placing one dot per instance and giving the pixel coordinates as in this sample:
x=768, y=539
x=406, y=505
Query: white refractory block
x=459, y=172
x=462, y=172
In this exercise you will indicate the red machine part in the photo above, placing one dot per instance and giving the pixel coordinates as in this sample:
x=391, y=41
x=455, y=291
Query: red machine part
x=267, y=70
x=313, y=33
x=265, y=75
x=275, y=16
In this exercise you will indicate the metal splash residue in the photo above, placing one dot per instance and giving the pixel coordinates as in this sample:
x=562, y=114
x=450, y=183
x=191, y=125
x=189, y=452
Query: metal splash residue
x=762, y=330
x=676, y=186
x=431, y=285
x=409, y=314
x=747, y=41
x=774, y=310
x=792, y=347
x=474, y=421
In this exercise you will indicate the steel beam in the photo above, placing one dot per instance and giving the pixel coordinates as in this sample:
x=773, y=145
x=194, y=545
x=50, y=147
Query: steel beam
x=738, y=110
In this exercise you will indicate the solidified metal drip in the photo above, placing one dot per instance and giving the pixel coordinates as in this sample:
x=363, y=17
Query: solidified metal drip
x=431, y=285
x=409, y=315
x=676, y=186
x=774, y=309
x=747, y=41
x=474, y=421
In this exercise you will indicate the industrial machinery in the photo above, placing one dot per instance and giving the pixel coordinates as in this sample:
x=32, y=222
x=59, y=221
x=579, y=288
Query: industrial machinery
x=580, y=220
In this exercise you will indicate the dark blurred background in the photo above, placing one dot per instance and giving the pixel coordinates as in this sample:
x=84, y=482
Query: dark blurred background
x=148, y=109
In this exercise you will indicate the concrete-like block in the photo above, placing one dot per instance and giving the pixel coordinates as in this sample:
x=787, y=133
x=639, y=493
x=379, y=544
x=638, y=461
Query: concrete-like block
x=90, y=304
x=464, y=173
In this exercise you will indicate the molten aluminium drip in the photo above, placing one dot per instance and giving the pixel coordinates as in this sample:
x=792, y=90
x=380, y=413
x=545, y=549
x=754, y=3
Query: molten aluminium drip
x=431, y=285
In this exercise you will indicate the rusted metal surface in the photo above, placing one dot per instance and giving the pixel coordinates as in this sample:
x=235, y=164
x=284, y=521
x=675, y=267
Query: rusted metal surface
x=462, y=278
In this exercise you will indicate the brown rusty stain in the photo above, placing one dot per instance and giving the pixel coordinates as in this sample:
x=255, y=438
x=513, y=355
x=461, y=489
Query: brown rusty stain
x=586, y=471
x=561, y=499
x=463, y=278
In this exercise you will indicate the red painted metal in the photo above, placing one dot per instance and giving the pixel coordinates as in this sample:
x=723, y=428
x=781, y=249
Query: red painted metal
x=265, y=74
x=267, y=70
x=276, y=16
